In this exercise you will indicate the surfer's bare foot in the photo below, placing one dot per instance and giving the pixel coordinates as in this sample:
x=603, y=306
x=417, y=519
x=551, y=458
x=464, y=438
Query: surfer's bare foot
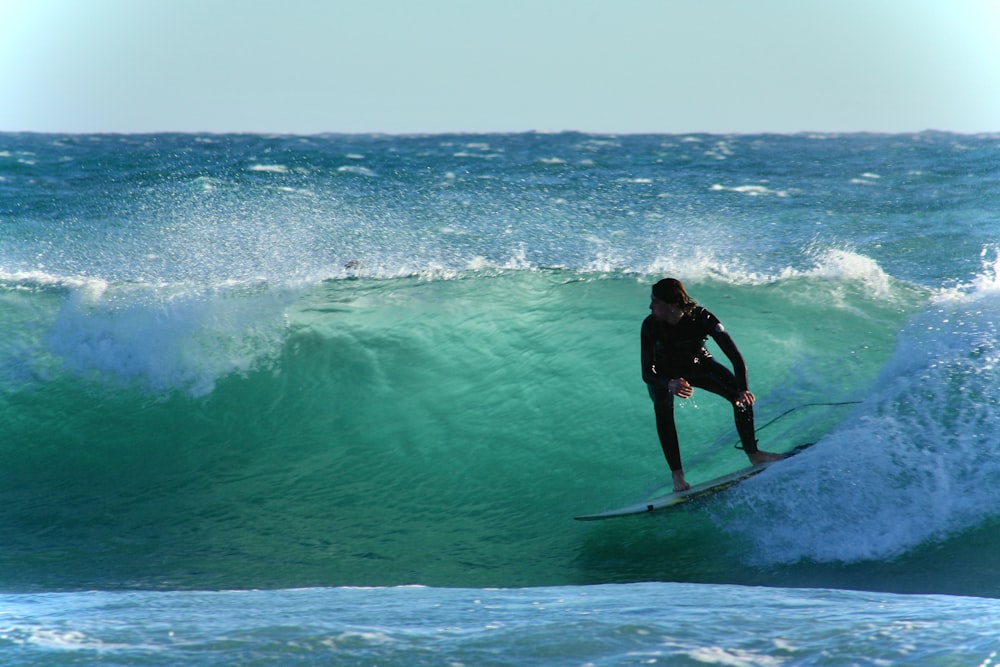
x=759, y=457
x=679, y=483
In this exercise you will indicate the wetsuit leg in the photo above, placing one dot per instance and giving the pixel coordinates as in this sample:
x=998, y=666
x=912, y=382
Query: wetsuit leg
x=663, y=405
x=716, y=378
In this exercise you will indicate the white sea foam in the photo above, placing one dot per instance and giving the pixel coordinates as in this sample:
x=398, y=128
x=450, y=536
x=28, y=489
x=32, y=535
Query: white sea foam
x=915, y=463
x=27, y=280
x=986, y=282
x=720, y=151
x=360, y=171
x=67, y=640
x=867, y=178
x=183, y=341
x=841, y=264
x=269, y=168
x=750, y=190
x=481, y=156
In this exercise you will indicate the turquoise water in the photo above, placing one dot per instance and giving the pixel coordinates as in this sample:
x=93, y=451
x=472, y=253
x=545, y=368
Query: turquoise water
x=255, y=363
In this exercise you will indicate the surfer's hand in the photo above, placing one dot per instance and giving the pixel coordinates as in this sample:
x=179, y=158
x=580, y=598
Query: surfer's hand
x=745, y=400
x=680, y=387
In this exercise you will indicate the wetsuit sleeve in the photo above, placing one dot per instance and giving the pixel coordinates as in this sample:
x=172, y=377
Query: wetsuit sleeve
x=728, y=347
x=648, y=340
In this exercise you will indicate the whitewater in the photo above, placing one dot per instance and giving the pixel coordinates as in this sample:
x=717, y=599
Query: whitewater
x=336, y=399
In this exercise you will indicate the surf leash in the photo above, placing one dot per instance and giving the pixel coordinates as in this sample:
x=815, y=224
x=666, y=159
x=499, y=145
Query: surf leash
x=739, y=445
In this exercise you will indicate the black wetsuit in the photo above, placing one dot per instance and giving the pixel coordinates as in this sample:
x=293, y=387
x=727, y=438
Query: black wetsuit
x=678, y=351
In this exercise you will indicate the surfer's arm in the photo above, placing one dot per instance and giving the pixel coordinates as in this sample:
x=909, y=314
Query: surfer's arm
x=649, y=375
x=728, y=347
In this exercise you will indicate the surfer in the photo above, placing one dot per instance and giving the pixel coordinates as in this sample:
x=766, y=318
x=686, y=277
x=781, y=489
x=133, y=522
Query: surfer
x=675, y=361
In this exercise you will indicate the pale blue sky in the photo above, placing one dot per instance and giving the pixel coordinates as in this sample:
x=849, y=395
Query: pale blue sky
x=307, y=66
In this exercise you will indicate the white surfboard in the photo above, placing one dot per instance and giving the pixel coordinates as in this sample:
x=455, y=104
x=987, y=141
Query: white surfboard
x=708, y=488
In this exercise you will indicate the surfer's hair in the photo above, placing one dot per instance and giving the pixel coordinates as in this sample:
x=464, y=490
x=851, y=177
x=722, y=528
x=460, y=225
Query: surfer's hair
x=671, y=290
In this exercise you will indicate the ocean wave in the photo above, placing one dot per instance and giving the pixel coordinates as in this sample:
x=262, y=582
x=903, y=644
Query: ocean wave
x=449, y=412
x=622, y=624
x=224, y=362
x=186, y=335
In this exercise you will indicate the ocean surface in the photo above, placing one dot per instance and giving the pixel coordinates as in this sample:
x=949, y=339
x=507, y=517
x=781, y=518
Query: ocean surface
x=283, y=400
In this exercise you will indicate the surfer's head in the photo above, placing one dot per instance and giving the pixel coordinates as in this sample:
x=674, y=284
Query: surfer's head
x=671, y=291
x=670, y=301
